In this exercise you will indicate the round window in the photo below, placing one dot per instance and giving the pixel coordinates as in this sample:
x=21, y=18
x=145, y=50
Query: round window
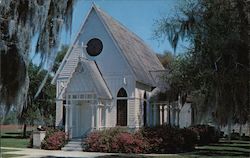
x=94, y=47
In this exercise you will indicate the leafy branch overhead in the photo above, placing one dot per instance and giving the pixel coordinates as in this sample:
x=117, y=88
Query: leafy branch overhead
x=20, y=23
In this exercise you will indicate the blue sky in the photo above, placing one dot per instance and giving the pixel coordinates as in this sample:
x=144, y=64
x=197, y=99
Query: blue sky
x=137, y=15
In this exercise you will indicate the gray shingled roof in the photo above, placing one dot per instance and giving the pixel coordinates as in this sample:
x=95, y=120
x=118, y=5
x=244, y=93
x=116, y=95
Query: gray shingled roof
x=140, y=57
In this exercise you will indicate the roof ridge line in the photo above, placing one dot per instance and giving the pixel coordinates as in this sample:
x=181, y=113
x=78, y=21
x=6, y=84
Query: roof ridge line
x=125, y=28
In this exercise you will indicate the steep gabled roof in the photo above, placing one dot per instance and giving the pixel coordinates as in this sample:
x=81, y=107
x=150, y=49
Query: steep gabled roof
x=139, y=56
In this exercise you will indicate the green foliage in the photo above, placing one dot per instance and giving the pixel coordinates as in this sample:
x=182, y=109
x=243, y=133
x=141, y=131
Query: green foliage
x=214, y=68
x=59, y=57
x=42, y=108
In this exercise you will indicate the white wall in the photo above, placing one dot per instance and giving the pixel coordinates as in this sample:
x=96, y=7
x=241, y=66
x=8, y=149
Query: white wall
x=185, y=115
x=110, y=61
x=59, y=104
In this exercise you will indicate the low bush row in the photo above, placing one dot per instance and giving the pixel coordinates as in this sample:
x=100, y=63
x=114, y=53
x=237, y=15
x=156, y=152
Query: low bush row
x=161, y=139
x=206, y=134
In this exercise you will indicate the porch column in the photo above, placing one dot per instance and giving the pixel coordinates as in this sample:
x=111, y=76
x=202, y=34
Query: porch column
x=92, y=117
x=70, y=120
x=104, y=117
x=148, y=114
x=171, y=113
x=162, y=112
x=153, y=114
x=107, y=122
x=172, y=116
x=97, y=117
x=165, y=114
x=67, y=118
x=177, y=116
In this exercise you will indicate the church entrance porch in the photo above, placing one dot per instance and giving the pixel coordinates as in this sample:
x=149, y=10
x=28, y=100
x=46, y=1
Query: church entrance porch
x=84, y=113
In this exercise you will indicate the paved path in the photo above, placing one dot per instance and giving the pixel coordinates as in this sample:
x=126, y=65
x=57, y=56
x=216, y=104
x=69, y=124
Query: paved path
x=73, y=145
x=38, y=153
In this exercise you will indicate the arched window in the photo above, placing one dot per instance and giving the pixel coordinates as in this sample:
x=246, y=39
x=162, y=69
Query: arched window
x=145, y=109
x=122, y=109
x=122, y=93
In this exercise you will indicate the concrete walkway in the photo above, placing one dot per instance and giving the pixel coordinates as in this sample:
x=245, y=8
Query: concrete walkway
x=38, y=153
x=73, y=145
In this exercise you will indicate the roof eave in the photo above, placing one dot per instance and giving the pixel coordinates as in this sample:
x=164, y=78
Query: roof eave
x=70, y=49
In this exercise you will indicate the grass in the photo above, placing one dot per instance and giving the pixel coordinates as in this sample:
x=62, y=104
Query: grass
x=12, y=137
x=14, y=142
x=224, y=149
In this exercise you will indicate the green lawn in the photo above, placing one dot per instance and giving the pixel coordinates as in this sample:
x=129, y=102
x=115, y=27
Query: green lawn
x=12, y=137
x=224, y=149
x=14, y=142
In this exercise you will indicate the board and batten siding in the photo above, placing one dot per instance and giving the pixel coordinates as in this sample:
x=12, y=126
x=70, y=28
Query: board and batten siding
x=110, y=61
x=59, y=103
x=115, y=83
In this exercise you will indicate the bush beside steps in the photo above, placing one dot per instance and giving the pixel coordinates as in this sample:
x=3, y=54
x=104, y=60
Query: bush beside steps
x=54, y=140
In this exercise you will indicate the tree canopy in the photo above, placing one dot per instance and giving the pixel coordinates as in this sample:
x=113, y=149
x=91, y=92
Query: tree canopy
x=215, y=69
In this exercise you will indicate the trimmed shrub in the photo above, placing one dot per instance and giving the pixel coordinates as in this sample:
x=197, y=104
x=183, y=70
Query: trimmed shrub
x=115, y=140
x=162, y=139
x=206, y=134
x=167, y=139
x=190, y=139
x=235, y=136
x=129, y=143
x=54, y=140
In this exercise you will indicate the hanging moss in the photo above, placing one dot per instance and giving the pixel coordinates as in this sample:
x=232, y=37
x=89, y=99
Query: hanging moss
x=20, y=21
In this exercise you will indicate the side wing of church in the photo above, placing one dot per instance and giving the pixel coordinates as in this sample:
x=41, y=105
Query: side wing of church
x=105, y=78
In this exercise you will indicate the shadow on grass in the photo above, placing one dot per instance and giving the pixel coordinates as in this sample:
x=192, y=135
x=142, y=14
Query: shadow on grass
x=15, y=135
x=225, y=152
x=121, y=156
x=247, y=146
x=233, y=142
x=105, y=156
x=54, y=157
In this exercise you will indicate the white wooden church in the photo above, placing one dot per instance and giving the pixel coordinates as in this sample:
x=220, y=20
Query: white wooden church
x=106, y=80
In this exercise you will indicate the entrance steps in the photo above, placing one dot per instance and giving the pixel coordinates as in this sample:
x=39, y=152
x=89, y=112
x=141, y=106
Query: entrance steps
x=73, y=145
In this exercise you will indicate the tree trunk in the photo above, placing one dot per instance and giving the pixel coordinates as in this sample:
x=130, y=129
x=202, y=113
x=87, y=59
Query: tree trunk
x=229, y=128
x=248, y=13
x=24, y=130
x=240, y=130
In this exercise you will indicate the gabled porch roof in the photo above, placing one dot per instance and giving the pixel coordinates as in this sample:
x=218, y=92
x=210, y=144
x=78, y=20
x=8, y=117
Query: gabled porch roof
x=90, y=69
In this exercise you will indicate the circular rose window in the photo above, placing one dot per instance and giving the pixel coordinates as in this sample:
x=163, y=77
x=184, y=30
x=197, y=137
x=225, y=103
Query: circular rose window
x=94, y=47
